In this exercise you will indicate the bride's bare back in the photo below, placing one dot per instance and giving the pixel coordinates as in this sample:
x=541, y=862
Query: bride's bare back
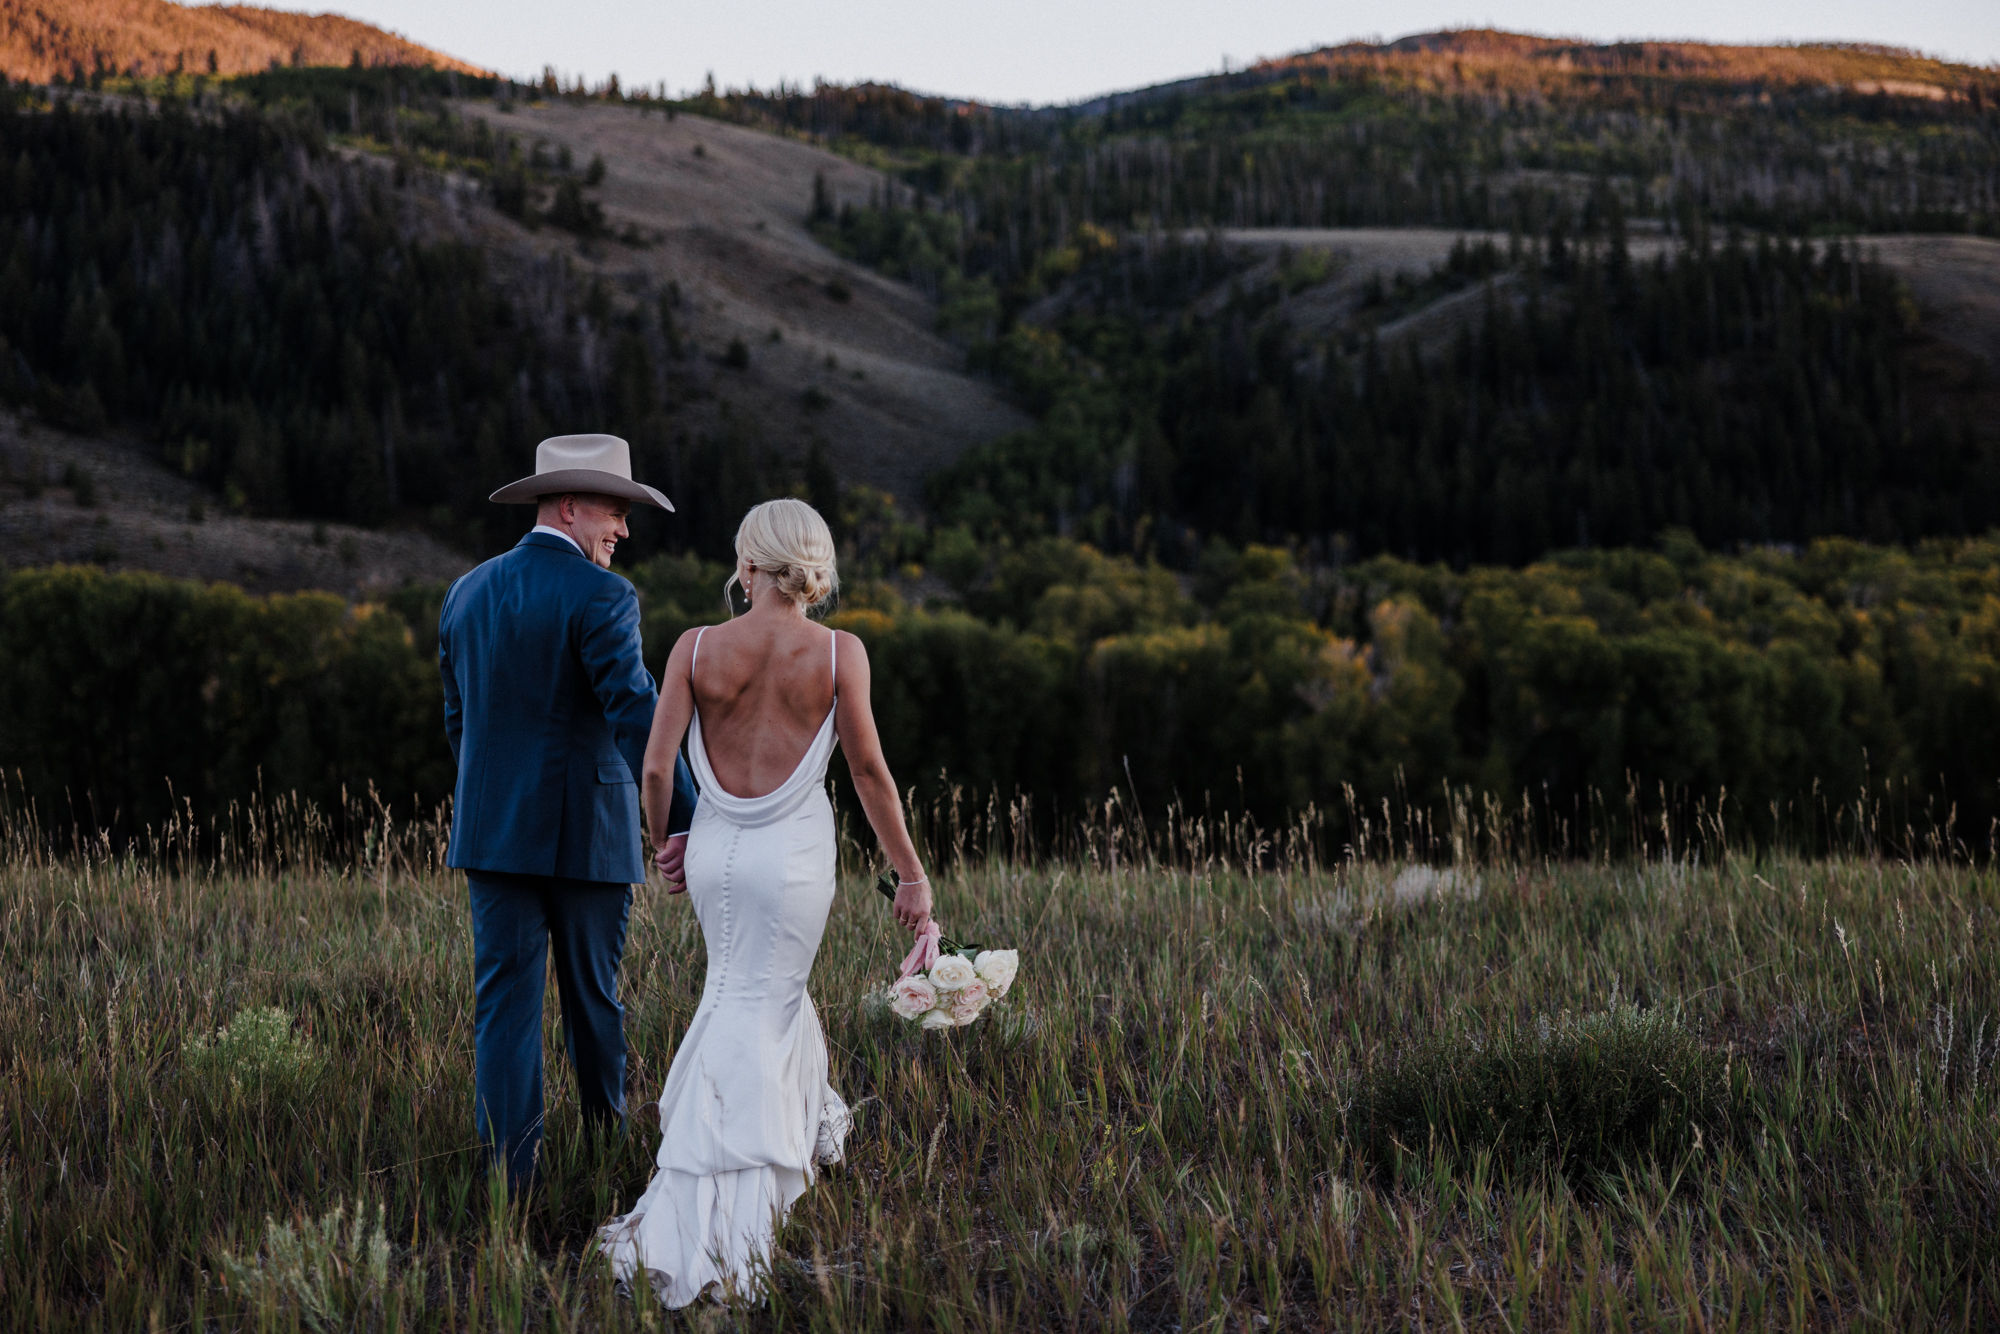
x=763, y=683
x=763, y=687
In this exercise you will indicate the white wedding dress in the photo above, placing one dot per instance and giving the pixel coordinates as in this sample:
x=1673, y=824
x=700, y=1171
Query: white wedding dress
x=747, y=1115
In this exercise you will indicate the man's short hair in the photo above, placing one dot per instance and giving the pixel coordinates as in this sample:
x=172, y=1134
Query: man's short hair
x=558, y=497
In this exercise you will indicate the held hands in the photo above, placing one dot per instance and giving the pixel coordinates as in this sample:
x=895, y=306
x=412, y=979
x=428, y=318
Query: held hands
x=671, y=859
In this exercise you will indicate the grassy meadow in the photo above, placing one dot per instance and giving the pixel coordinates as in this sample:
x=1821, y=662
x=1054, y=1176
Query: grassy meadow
x=1704, y=1091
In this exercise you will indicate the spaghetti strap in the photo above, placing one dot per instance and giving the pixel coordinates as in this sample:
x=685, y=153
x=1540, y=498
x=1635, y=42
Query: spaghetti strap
x=833, y=660
x=696, y=657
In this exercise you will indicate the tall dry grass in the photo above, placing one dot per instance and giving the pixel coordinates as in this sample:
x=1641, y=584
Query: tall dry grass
x=1238, y=1086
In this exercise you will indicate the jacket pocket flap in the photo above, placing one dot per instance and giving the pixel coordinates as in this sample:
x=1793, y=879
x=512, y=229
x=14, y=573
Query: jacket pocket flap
x=613, y=773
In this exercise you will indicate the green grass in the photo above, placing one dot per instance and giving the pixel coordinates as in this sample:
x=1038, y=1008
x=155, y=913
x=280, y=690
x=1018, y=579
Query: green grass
x=1520, y=1096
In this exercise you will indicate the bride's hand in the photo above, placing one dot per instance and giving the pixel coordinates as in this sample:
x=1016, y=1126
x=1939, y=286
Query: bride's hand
x=913, y=902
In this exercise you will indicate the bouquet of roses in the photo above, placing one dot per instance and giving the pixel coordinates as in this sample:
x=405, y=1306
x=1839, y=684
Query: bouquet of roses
x=944, y=984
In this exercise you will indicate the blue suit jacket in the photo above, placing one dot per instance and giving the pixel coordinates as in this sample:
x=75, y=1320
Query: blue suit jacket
x=547, y=704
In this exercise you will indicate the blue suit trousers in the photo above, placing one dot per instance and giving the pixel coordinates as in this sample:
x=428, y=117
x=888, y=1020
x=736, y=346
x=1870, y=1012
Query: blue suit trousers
x=516, y=920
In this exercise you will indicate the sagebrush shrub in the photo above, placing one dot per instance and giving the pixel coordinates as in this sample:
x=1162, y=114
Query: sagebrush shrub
x=1574, y=1094
x=257, y=1051
x=328, y=1270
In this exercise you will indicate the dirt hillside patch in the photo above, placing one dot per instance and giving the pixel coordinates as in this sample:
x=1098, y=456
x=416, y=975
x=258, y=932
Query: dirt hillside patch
x=74, y=500
x=1956, y=283
x=1955, y=280
x=837, y=352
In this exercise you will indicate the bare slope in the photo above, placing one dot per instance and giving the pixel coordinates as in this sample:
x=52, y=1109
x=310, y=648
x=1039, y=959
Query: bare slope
x=65, y=498
x=1956, y=283
x=1955, y=280
x=1359, y=254
x=42, y=40
x=864, y=373
x=857, y=363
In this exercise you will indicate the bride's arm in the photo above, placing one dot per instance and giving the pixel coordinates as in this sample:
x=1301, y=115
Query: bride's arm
x=663, y=744
x=854, y=721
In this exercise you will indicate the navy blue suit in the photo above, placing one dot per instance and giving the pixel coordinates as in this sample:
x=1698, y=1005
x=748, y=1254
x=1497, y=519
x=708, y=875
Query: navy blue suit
x=547, y=706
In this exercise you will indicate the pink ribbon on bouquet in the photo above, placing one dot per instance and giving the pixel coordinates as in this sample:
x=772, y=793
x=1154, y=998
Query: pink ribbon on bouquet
x=924, y=953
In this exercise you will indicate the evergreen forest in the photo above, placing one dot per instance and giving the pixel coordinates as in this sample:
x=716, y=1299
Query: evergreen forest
x=297, y=328
x=1658, y=495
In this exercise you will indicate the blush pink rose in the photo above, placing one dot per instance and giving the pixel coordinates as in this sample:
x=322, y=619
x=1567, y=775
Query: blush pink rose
x=968, y=1001
x=911, y=997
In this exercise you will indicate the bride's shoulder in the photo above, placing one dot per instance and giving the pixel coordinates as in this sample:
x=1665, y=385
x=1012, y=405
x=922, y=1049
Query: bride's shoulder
x=850, y=647
x=684, y=646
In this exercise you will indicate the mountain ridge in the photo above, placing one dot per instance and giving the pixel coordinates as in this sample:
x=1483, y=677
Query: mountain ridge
x=43, y=40
x=1470, y=57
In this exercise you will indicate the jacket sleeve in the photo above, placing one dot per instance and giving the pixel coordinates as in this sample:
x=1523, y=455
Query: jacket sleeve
x=617, y=671
x=684, y=799
x=454, y=708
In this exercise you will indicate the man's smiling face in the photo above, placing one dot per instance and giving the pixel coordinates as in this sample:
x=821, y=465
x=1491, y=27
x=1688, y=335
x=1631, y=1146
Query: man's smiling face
x=598, y=524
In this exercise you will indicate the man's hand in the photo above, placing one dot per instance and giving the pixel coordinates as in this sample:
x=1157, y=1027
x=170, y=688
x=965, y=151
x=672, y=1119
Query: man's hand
x=671, y=859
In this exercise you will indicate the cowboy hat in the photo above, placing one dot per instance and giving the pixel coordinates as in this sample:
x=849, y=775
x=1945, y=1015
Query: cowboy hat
x=596, y=464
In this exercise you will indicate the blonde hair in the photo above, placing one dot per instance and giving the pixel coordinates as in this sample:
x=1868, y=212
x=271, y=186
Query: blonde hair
x=789, y=541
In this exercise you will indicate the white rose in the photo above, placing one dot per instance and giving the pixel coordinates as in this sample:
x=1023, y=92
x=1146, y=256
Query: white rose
x=969, y=1000
x=939, y=1019
x=996, y=968
x=952, y=972
x=910, y=997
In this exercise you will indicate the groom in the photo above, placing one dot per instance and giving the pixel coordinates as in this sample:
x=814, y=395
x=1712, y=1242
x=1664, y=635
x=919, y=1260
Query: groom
x=547, y=705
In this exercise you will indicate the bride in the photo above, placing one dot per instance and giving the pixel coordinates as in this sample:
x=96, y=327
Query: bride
x=747, y=1114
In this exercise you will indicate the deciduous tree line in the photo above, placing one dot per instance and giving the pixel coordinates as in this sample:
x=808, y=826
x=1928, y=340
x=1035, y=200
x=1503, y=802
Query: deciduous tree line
x=1797, y=693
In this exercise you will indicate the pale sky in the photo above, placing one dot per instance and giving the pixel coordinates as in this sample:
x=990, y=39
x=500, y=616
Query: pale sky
x=1063, y=50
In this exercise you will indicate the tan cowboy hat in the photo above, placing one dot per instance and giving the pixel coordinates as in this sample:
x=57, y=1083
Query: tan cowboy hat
x=598, y=464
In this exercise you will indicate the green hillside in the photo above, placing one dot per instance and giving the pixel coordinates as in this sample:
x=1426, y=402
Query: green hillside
x=1473, y=130
x=1567, y=496
x=1654, y=342
x=293, y=327
x=1669, y=314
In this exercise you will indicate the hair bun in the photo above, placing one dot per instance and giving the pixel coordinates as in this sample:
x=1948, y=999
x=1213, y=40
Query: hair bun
x=815, y=584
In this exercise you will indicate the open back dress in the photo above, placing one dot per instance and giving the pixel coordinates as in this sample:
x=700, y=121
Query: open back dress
x=747, y=1116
